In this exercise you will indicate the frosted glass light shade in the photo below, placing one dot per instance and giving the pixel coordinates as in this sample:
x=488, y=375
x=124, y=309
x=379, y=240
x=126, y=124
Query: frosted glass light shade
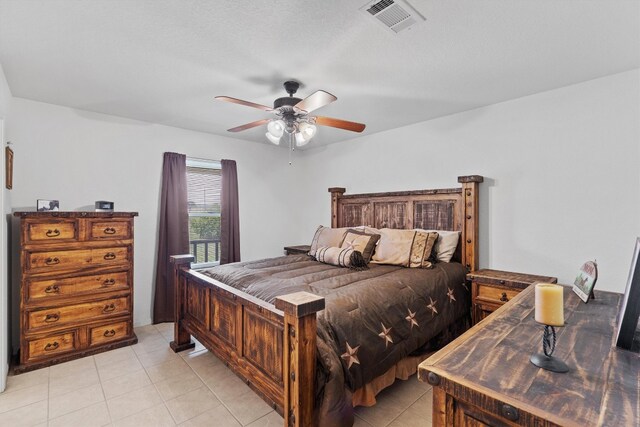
x=300, y=141
x=273, y=139
x=305, y=132
x=276, y=128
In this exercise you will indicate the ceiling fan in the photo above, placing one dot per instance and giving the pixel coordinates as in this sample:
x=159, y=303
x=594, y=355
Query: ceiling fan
x=292, y=116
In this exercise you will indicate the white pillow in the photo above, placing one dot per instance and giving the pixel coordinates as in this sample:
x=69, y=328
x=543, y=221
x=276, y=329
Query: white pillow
x=446, y=244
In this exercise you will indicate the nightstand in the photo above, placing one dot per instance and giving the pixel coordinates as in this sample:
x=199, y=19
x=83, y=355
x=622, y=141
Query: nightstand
x=297, y=250
x=492, y=288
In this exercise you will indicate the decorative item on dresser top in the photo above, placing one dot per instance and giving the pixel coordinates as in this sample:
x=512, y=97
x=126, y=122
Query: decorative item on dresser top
x=76, y=288
x=297, y=250
x=491, y=289
x=502, y=388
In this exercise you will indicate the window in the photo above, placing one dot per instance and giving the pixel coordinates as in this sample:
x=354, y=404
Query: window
x=203, y=190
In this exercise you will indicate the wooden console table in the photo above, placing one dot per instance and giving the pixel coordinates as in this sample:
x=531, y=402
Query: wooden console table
x=485, y=377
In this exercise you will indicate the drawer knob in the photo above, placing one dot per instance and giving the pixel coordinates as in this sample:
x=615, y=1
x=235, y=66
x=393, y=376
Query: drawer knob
x=510, y=413
x=109, y=282
x=108, y=308
x=55, y=289
x=51, y=346
x=109, y=230
x=53, y=233
x=504, y=297
x=109, y=256
x=109, y=333
x=52, y=261
x=52, y=317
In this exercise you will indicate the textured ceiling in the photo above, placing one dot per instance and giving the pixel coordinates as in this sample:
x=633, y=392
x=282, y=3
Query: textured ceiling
x=164, y=61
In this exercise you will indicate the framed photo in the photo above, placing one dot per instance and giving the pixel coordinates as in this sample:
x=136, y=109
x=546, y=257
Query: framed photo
x=586, y=280
x=48, y=205
x=630, y=308
x=8, y=167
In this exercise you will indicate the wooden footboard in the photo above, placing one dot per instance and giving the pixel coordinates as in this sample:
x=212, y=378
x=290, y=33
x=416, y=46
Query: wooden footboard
x=271, y=348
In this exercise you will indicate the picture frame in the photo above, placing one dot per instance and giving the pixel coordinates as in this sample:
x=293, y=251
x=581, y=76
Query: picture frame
x=630, y=308
x=47, y=205
x=586, y=281
x=8, y=163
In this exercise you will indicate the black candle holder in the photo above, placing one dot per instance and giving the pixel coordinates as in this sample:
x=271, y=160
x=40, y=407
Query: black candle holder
x=546, y=360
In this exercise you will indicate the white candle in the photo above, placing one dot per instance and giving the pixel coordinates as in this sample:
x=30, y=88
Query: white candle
x=549, y=304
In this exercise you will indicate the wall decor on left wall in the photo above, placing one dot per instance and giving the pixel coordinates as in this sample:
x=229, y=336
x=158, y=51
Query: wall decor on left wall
x=8, y=159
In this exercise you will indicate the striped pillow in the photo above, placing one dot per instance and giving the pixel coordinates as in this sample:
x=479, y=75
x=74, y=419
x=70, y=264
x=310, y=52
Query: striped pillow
x=342, y=257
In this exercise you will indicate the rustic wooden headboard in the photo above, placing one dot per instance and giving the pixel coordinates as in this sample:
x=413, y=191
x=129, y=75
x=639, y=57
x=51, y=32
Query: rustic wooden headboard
x=454, y=209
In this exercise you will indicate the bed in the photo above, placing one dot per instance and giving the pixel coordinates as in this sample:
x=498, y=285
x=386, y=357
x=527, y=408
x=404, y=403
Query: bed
x=305, y=335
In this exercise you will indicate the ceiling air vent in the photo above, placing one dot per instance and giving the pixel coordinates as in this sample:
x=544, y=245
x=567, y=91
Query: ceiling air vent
x=396, y=15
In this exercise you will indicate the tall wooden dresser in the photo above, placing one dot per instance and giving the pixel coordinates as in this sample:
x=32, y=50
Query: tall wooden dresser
x=76, y=290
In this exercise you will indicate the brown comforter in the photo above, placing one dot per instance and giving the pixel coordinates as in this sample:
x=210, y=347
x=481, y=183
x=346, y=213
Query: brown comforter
x=373, y=318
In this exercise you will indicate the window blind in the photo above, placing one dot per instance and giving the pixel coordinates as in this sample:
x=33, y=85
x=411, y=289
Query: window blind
x=203, y=188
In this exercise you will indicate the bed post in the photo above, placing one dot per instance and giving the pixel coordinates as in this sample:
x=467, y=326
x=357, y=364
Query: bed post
x=299, y=355
x=336, y=192
x=181, y=338
x=470, y=185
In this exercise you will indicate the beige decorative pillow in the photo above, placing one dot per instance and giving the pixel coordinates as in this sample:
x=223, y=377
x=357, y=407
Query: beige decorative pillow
x=360, y=241
x=328, y=237
x=446, y=244
x=409, y=248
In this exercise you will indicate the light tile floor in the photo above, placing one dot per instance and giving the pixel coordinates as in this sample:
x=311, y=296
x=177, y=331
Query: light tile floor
x=149, y=385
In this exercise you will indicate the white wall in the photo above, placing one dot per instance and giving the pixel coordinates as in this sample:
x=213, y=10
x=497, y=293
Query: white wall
x=562, y=175
x=78, y=157
x=5, y=203
x=562, y=183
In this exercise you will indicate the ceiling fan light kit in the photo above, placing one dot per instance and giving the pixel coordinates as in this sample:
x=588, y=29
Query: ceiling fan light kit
x=293, y=116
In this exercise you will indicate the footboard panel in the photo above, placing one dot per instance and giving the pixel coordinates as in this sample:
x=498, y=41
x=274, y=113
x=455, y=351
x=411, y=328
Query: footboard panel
x=272, y=349
x=243, y=333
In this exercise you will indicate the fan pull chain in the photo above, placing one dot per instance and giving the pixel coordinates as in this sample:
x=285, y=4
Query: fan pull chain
x=290, y=147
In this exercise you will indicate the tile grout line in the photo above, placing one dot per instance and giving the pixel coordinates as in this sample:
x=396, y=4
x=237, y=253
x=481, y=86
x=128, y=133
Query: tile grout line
x=95, y=363
x=164, y=403
x=216, y=395
x=48, y=386
x=408, y=407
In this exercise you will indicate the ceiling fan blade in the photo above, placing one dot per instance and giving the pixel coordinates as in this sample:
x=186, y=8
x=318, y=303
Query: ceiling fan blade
x=340, y=124
x=249, y=125
x=317, y=99
x=241, y=102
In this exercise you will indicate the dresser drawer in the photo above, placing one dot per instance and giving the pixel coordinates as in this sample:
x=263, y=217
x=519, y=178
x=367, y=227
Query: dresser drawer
x=71, y=259
x=58, y=260
x=52, y=345
x=104, y=230
x=52, y=230
x=495, y=295
x=116, y=255
x=110, y=332
x=39, y=290
x=76, y=313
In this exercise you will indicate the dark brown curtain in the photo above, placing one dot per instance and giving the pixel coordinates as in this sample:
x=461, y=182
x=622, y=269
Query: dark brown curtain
x=229, y=217
x=173, y=233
